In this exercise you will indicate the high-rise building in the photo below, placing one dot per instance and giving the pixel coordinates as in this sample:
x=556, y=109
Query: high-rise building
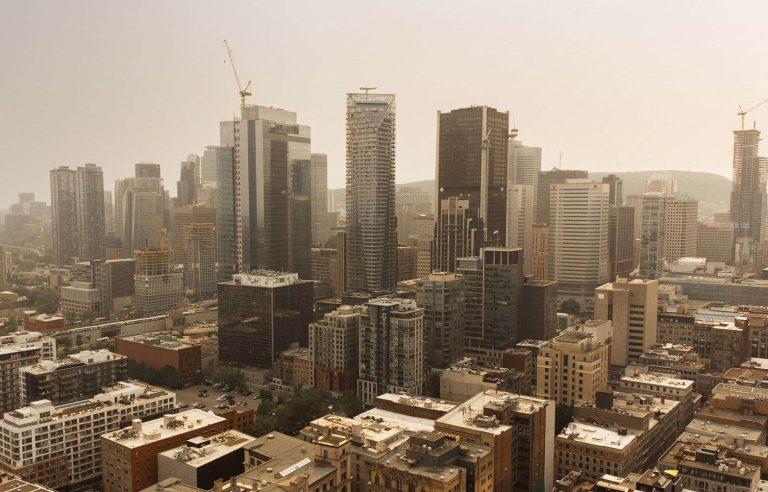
x=578, y=238
x=441, y=295
x=158, y=287
x=109, y=214
x=262, y=314
x=631, y=307
x=492, y=288
x=214, y=157
x=573, y=366
x=524, y=163
x=6, y=268
x=147, y=170
x=538, y=310
x=520, y=203
x=540, y=251
x=219, y=168
x=371, y=223
x=333, y=349
x=19, y=350
x=182, y=217
x=90, y=212
x=114, y=280
x=653, y=235
x=406, y=263
x=188, y=183
x=615, y=190
x=620, y=241
x=663, y=186
x=544, y=185
x=472, y=148
x=391, y=358
x=320, y=225
x=714, y=242
x=681, y=228
x=458, y=234
x=200, y=258
x=272, y=190
x=64, y=215
x=142, y=208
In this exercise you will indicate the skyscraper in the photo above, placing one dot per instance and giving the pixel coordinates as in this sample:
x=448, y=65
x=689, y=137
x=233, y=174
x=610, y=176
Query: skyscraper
x=200, y=258
x=540, y=252
x=147, y=170
x=520, y=203
x=371, y=223
x=143, y=213
x=441, y=294
x=64, y=214
x=544, y=185
x=458, y=233
x=320, y=225
x=653, y=235
x=621, y=241
x=615, y=190
x=578, y=238
x=333, y=349
x=523, y=167
x=158, y=287
x=748, y=199
x=90, y=212
x=472, y=157
x=219, y=169
x=109, y=214
x=272, y=190
x=681, y=238
x=188, y=183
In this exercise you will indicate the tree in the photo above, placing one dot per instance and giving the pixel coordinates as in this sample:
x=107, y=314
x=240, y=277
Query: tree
x=563, y=416
x=263, y=425
x=44, y=299
x=570, y=306
x=265, y=394
x=349, y=404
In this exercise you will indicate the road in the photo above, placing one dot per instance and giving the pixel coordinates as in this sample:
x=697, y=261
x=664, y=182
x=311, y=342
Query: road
x=189, y=396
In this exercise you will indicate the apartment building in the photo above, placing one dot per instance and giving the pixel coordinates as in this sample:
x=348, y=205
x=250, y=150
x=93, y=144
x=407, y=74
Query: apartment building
x=638, y=380
x=18, y=350
x=333, y=349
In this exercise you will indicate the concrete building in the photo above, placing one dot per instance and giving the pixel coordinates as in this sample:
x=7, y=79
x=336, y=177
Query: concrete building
x=320, y=225
x=158, y=350
x=262, y=314
x=706, y=467
x=519, y=430
x=492, y=290
x=89, y=199
x=18, y=350
x=130, y=454
x=406, y=262
x=616, y=190
x=147, y=170
x=158, y=287
x=472, y=156
x=540, y=252
x=578, y=238
x=200, y=259
x=621, y=242
x=574, y=365
x=188, y=183
x=181, y=217
x=544, y=187
x=538, y=310
x=653, y=235
x=80, y=298
x=523, y=162
x=140, y=212
x=371, y=251
x=632, y=307
x=293, y=367
x=391, y=358
x=638, y=380
x=201, y=461
x=333, y=348
x=714, y=242
x=66, y=450
x=64, y=215
x=76, y=377
x=465, y=379
x=520, y=203
x=681, y=229
x=458, y=233
x=441, y=295
x=114, y=279
x=748, y=199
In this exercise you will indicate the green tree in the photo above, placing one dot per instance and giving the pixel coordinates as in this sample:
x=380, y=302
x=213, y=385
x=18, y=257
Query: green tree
x=563, y=416
x=44, y=299
x=570, y=306
x=263, y=425
x=265, y=394
x=349, y=404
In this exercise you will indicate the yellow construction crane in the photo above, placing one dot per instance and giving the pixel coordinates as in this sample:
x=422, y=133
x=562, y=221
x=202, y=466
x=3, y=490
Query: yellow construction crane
x=743, y=113
x=240, y=90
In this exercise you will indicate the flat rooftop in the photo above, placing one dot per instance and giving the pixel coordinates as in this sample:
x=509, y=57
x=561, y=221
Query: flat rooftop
x=469, y=414
x=162, y=428
x=207, y=449
x=405, y=422
x=419, y=401
x=12, y=483
x=593, y=435
x=658, y=380
x=159, y=339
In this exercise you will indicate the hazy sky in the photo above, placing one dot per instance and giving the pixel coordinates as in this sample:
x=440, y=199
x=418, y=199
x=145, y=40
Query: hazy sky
x=613, y=85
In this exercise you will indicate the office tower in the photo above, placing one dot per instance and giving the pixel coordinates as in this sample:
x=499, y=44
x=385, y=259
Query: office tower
x=114, y=280
x=6, y=268
x=714, y=242
x=573, y=366
x=441, y=295
x=76, y=377
x=524, y=163
x=620, y=241
x=67, y=453
x=140, y=215
x=424, y=249
x=663, y=186
x=147, y=170
x=538, y=310
x=320, y=225
x=391, y=349
x=413, y=199
x=64, y=215
x=540, y=252
x=636, y=202
x=492, y=287
x=520, y=203
x=615, y=190
x=200, y=258
x=472, y=146
x=631, y=307
x=219, y=168
x=89, y=187
x=213, y=158
x=184, y=216
x=406, y=263
x=188, y=183
x=748, y=199
x=158, y=287
x=272, y=190
x=681, y=228
x=653, y=235
x=337, y=265
x=544, y=185
x=459, y=233
x=578, y=238
x=109, y=214
x=262, y=314
x=333, y=349
x=371, y=224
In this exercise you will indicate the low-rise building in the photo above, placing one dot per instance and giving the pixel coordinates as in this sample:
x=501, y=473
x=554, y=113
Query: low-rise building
x=202, y=460
x=9, y=482
x=73, y=378
x=293, y=367
x=66, y=450
x=639, y=380
x=158, y=350
x=466, y=378
x=80, y=298
x=710, y=468
x=130, y=454
x=43, y=323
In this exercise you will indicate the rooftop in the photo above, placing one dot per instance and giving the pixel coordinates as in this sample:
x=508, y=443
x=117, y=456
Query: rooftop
x=469, y=414
x=592, y=435
x=658, y=380
x=199, y=451
x=12, y=483
x=265, y=278
x=161, y=339
x=419, y=401
x=84, y=357
x=141, y=433
x=290, y=458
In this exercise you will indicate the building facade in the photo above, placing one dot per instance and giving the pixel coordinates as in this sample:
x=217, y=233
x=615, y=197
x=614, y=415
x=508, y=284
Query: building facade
x=64, y=215
x=158, y=350
x=748, y=199
x=441, y=295
x=89, y=188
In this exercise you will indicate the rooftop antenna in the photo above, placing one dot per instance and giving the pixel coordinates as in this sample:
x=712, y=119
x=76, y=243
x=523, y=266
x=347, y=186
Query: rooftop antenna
x=366, y=89
x=560, y=161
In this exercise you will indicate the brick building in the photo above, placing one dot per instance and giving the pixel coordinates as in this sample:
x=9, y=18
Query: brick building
x=157, y=350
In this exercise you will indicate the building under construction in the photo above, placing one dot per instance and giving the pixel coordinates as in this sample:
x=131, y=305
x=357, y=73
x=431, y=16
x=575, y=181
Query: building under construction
x=158, y=286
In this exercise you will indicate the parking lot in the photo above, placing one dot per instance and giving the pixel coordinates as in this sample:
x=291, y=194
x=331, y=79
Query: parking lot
x=189, y=396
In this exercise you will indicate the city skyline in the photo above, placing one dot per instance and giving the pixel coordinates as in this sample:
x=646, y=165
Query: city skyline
x=560, y=114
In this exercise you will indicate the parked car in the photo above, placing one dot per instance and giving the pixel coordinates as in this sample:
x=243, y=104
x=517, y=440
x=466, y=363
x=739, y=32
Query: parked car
x=181, y=405
x=218, y=385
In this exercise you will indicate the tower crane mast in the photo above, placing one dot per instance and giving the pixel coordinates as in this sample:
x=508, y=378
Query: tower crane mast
x=244, y=92
x=743, y=113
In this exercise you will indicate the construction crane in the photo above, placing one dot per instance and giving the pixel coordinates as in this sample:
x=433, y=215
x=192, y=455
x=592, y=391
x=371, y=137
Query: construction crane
x=743, y=113
x=240, y=90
